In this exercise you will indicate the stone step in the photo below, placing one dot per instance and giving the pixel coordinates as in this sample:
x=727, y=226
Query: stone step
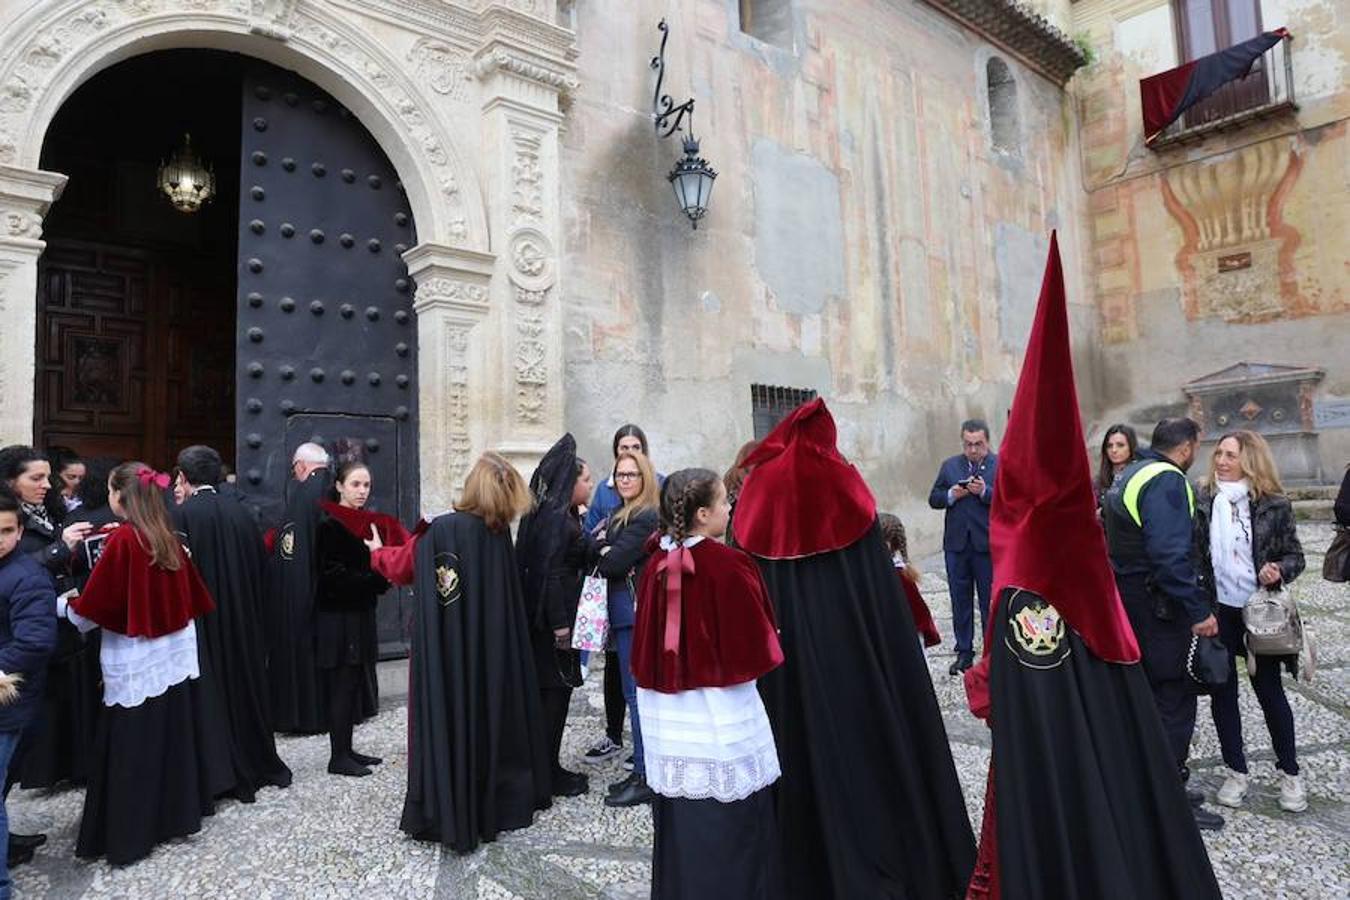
x=1319, y=510
x=1313, y=492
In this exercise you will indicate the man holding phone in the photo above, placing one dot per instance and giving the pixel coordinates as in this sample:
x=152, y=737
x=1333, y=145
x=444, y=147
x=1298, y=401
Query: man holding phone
x=965, y=488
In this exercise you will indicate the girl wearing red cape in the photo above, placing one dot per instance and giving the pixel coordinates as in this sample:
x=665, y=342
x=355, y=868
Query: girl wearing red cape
x=704, y=633
x=160, y=757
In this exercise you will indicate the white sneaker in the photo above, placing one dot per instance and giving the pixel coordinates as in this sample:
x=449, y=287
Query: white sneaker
x=1292, y=796
x=1234, y=789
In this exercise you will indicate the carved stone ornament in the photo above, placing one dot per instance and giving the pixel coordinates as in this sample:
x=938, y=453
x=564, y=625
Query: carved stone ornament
x=458, y=442
x=443, y=291
x=527, y=178
x=447, y=70
x=532, y=262
x=59, y=36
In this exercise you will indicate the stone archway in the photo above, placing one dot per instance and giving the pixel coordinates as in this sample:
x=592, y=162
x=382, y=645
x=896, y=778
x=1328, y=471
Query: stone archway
x=489, y=323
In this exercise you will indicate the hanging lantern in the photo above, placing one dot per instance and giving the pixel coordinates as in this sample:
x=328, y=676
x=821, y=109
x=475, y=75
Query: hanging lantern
x=185, y=180
x=692, y=179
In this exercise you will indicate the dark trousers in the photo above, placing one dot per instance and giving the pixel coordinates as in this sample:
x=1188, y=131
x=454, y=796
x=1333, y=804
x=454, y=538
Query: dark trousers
x=556, y=702
x=969, y=572
x=1269, y=687
x=615, y=704
x=344, y=701
x=1163, y=644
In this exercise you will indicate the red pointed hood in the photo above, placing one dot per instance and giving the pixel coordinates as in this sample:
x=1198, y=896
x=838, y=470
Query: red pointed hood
x=801, y=496
x=1043, y=529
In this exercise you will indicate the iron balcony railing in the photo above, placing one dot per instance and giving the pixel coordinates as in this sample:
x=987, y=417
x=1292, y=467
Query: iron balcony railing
x=1266, y=91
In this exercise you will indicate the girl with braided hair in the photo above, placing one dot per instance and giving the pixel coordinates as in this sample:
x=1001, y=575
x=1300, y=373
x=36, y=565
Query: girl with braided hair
x=704, y=634
x=897, y=544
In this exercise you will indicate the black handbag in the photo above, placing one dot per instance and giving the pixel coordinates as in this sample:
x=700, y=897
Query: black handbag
x=1207, y=663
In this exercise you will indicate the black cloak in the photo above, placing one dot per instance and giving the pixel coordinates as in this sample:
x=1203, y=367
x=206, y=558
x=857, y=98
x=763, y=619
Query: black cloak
x=869, y=804
x=477, y=762
x=1086, y=793
x=297, y=697
x=228, y=552
x=551, y=551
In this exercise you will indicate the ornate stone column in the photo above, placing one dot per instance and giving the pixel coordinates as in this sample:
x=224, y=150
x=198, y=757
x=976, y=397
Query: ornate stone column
x=25, y=196
x=525, y=65
x=454, y=378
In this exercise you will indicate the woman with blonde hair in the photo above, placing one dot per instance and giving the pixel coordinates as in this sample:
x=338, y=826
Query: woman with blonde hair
x=1246, y=540
x=477, y=759
x=620, y=552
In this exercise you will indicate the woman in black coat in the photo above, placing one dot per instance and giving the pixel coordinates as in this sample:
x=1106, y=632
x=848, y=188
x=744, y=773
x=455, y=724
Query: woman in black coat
x=1245, y=538
x=55, y=746
x=552, y=551
x=345, y=637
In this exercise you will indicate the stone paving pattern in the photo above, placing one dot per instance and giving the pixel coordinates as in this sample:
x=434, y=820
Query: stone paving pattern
x=329, y=837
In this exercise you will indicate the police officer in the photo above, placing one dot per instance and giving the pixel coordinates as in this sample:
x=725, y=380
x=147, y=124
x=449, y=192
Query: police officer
x=1148, y=515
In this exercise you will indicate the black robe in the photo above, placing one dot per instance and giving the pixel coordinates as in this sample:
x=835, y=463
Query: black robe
x=477, y=762
x=228, y=551
x=297, y=697
x=1086, y=792
x=869, y=804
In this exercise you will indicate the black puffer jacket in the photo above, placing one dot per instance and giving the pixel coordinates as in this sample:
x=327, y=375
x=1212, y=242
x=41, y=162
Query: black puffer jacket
x=1274, y=538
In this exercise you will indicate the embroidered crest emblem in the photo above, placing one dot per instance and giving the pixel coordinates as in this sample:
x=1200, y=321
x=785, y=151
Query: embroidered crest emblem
x=1037, y=634
x=447, y=578
x=287, y=543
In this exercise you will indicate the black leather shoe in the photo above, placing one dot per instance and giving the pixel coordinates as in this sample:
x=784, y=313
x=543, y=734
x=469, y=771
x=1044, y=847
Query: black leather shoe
x=635, y=794
x=955, y=667
x=27, y=840
x=963, y=661
x=618, y=786
x=570, y=784
x=1206, y=820
x=20, y=855
x=362, y=759
x=347, y=766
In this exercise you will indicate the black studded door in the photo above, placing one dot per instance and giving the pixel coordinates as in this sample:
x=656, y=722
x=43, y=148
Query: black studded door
x=327, y=337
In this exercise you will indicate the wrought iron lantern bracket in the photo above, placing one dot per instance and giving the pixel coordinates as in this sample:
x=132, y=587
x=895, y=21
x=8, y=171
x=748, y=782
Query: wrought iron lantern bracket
x=692, y=178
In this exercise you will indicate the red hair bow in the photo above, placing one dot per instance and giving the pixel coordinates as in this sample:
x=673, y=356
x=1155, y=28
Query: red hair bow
x=678, y=562
x=149, y=476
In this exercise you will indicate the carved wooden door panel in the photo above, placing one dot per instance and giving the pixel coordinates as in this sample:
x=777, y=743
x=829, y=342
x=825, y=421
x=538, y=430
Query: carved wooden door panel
x=129, y=352
x=327, y=336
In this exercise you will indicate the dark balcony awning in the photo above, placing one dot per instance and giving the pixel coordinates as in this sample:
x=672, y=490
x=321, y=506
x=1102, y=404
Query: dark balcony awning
x=1016, y=28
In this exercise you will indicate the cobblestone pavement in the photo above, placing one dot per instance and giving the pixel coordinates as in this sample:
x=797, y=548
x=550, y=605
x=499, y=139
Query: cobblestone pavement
x=338, y=837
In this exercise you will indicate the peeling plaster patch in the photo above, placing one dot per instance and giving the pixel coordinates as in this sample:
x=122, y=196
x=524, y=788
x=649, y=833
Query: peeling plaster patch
x=811, y=335
x=710, y=302
x=914, y=289
x=786, y=368
x=1019, y=259
x=799, y=234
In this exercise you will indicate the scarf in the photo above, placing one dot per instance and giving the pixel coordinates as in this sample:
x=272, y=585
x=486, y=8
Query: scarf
x=37, y=512
x=1230, y=543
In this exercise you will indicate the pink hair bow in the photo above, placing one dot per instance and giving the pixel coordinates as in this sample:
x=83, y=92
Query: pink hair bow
x=149, y=476
x=678, y=562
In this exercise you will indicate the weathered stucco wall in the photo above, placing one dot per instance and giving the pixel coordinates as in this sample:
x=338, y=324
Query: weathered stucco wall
x=864, y=239
x=1161, y=220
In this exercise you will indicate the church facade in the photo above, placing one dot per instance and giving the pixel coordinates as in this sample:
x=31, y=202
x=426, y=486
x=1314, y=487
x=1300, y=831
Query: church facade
x=888, y=176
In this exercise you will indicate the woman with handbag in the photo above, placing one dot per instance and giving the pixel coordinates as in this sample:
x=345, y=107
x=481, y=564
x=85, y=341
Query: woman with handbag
x=622, y=551
x=1246, y=541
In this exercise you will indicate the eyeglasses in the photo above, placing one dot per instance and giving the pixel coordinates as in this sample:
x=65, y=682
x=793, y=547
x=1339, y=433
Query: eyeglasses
x=627, y=476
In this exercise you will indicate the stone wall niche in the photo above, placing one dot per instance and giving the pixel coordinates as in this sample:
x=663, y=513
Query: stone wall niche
x=1273, y=400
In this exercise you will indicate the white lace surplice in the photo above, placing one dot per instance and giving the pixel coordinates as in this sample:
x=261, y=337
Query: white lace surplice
x=138, y=668
x=707, y=743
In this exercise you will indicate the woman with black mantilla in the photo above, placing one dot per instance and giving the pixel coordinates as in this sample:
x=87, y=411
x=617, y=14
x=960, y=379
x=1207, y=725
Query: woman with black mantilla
x=477, y=762
x=345, y=642
x=551, y=550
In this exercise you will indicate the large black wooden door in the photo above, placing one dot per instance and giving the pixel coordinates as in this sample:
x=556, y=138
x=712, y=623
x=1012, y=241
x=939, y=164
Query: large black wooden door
x=327, y=337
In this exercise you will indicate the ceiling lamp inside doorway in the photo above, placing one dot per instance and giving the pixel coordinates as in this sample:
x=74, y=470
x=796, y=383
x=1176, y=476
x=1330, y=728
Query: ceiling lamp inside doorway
x=186, y=180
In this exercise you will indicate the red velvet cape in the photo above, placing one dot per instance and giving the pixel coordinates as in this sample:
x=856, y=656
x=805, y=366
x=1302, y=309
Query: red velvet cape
x=923, y=618
x=129, y=594
x=396, y=564
x=726, y=631
x=801, y=497
x=358, y=522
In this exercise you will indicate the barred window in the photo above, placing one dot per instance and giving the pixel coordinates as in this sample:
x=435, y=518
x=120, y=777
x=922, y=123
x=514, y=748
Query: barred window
x=769, y=404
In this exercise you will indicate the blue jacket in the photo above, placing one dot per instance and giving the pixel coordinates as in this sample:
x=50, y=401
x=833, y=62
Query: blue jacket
x=27, y=633
x=967, y=523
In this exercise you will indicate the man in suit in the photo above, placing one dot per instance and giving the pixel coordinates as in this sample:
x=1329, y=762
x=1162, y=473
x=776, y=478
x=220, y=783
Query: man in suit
x=965, y=488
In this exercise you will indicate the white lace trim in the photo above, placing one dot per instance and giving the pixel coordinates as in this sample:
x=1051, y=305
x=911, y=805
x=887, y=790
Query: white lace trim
x=708, y=743
x=138, y=668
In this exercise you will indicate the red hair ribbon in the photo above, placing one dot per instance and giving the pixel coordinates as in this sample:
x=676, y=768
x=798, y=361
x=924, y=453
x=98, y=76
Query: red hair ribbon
x=148, y=476
x=678, y=562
